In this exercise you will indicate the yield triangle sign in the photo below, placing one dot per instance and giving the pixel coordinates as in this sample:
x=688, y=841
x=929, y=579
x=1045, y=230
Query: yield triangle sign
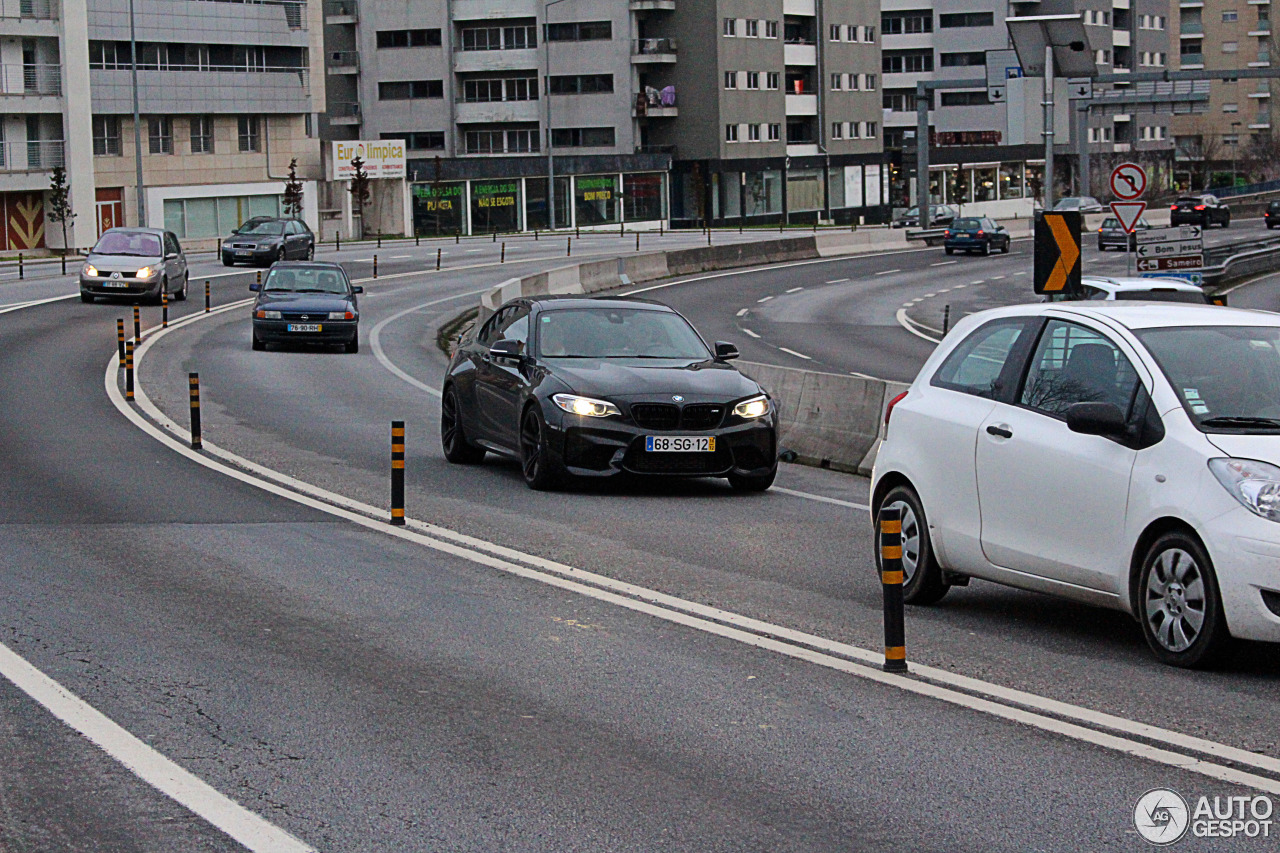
x=1128, y=212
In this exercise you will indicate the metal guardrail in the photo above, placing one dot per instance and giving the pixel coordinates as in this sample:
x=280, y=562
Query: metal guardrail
x=1224, y=264
x=930, y=236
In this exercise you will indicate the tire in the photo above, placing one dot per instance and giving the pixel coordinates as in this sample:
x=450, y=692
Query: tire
x=539, y=470
x=180, y=295
x=227, y=262
x=85, y=297
x=922, y=576
x=1004, y=250
x=164, y=287
x=311, y=252
x=949, y=250
x=258, y=345
x=1226, y=223
x=1179, y=605
x=352, y=346
x=453, y=438
x=986, y=249
x=282, y=255
x=756, y=483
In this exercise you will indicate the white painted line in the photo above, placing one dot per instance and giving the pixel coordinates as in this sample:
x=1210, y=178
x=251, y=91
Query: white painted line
x=750, y=333
x=945, y=290
x=743, y=312
x=1008, y=704
x=959, y=286
x=469, y=251
x=796, y=289
x=910, y=325
x=979, y=281
x=837, y=281
x=400, y=257
x=943, y=263
x=821, y=499
x=375, y=341
x=888, y=272
x=1022, y=272
x=929, y=295
x=363, y=260
x=861, y=375
x=997, y=277
x=20, y=305
x=796, y=354
x=766, y=299
x=147, y=764
x=914, y=301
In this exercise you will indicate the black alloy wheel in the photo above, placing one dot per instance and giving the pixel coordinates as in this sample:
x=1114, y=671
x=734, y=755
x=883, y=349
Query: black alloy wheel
x=753, y=483
x=922, y=576
x=535, y=461
x=453, y=437
x=311, y=252
x=352, y=346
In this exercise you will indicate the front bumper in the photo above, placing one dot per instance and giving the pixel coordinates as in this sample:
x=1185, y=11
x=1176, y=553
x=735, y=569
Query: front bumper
x=331, y=331
x=259, y=255
x=126, y=287
x=1116, y=242
x=606, y=447
x=1245, y=550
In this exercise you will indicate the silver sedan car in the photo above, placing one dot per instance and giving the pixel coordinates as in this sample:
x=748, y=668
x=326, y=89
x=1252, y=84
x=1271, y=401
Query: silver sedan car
x=135, y=263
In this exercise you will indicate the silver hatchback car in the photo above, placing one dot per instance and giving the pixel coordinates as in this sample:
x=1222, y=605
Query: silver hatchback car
x=135, y=263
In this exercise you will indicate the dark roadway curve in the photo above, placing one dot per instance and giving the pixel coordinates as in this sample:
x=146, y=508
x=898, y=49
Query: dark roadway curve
x=367, y=694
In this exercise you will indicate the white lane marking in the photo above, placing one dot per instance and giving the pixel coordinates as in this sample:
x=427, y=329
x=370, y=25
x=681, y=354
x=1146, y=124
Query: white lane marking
x=959, y=286
x=161, y=773
x=914, y=301
x=945, y=290
x=979, y=281
x=910, y=325
x=469, y=251
x=750, y=333
x=836, y=281
x=929, y=295
x=796, y=354
x=820, y=498
x=400, y=257
x=796, y=289
x=943, y=263
x=20, y=305
x=766, y=299
x=743, y=312
x=1022, y=272
x=888, y=272
x=375, y=341
x=1025, y=708
x=997, y=277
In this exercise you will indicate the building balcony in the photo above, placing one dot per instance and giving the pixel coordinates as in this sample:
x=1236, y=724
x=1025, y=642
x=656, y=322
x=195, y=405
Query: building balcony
x=1120, y=4
x=188, y=90
x=1263, y=94
x=1261, y=34
x=341, y=12
x=344, y=112
x=1191, y=4
x=807, y=8
x=1261, y=63
x=342, y=62
x=653, y=5
x=1262, y=125
x=800, y=54
x=471, y=61
x=31, y=156
x=497, y=112
x=802, y=105
x=32, y=10
x=1120, y=38
x=656, y=103
x=1190, y=59
x=1191, y=29
x=653, y=50
x=21, y=80
x=486, y=10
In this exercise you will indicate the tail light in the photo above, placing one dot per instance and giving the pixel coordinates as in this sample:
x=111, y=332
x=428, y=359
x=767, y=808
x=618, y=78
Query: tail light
x=888, y=410
x=1199, y=207
x=946, y=233
x=981, y=233
x=1173, y=207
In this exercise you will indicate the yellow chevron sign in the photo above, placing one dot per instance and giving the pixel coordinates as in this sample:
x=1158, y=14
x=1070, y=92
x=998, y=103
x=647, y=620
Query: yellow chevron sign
x=1057, y=253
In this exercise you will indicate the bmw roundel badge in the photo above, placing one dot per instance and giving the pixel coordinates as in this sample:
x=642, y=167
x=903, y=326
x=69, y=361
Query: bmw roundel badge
x=677, y=398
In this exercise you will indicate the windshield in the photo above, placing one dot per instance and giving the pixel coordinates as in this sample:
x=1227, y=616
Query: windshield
x=271, y=229
x=618, y=333
x=305, y=280
x=126, y=243
x=1228, y=377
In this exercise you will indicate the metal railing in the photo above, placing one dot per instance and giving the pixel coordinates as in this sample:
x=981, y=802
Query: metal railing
x=342, y=9
x=1248, y=189
x=17, y=79
x=32, y=156
x=303, y=74
x=649, y=47
x=342, y=59
x=39, y=10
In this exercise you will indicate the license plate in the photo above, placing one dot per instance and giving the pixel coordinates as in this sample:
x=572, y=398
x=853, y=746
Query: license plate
x=115, y=284
x=304, y=327
x=680, y=443
x=244, y=252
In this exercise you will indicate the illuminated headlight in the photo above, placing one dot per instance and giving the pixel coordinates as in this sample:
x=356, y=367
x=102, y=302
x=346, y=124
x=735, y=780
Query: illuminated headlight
x=585, y=406
x=145, y=272
x=341, y=315
x=90, y=270
x=1255, y=484
x=756, y=407
x=269, y=315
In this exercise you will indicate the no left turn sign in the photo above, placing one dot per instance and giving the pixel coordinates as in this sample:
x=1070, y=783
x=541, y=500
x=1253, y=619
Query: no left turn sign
x=1128, y=181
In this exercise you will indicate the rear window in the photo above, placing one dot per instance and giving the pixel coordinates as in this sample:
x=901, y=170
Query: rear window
x=966, y=225
x=1273, y=207
x=1111, y=222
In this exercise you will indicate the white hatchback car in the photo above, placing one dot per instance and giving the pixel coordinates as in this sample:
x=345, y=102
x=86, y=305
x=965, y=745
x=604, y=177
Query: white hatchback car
x=1124, y=454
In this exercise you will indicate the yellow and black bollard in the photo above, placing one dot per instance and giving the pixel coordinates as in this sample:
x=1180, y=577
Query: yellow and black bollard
x=637, y=241
x=194, y=380
x=895, y=641
x=259, y=278
x=397, y=472
x=128, y=370
x=120, y=338
x=375, y=266
x=503, y=258
x=20, y=273
x=439, y=254
x=206, y=297
x=137, y=324
x=164, y=308
x=568, y=247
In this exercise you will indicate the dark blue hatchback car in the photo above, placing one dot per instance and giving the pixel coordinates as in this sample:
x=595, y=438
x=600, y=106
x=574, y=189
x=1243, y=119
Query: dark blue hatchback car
x=311, y=303
x=975, y=234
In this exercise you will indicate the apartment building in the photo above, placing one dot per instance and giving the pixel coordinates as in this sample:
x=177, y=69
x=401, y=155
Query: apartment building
x=993, y=153
x=1233, y=138
x=715, y=96
x=225, y=96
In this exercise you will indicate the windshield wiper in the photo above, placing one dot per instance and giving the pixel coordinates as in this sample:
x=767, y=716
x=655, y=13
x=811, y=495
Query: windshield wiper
x=1241, y=421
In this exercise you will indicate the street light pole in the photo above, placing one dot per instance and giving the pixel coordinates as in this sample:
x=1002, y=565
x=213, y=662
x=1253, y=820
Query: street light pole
x=137, y=121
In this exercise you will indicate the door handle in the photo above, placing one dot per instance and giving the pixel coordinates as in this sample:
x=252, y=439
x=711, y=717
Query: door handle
x=999, y=431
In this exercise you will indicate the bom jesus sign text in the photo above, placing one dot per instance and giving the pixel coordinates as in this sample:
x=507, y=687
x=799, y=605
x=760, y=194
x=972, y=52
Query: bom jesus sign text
x=383, y=158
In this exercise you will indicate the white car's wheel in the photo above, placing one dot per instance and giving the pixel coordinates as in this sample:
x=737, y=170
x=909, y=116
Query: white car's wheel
x=922, y=581
x=1179, y=605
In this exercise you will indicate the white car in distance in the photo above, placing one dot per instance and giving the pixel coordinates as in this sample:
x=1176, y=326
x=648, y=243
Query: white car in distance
x=1124, y=454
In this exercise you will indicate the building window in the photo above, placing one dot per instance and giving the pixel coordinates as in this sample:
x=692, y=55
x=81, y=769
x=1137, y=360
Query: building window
x=731, y=79
x=1230, y=15
x=1231, y=139
x=160, y=135
x=771, y=29
x=963, y=60
x=873, y=128
x=410, y=90
x=428, y=140
x=901, y=23
x=1157, y=22
x=771, y=79
x=730, y=133
x=506, y=89
x=730, y=27
x=753, y=28
x=964, y=99
x=906, y=61
x=202, y=134
x=409, y=38
x=837, y=130
x=106, y=136
x=835, y=32
x=501, y=141
x=851, y=33
x=500, y=38
x=247, y=133
x=1231, y=108
x=853, y=82
x=870, y=82
x=582, y=137
x=578, y=84
x=753, y=79
x=868, y=34
x=582, y=31
x=1230, y=46
x=837, y=81
x=753, y=132
x=965, y=19
x=1157, y=59
x=775, y=132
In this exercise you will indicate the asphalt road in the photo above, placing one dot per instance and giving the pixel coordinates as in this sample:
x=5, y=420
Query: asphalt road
x=367, y=692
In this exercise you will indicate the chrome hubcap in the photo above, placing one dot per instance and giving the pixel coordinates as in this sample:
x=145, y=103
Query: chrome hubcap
x=1174, y=600
x=910, y=539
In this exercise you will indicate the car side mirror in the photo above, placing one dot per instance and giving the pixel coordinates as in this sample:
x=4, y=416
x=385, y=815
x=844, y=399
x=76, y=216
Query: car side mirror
x=505, y=349
x=357, y=289
x=1104, y=419
x=726, y=351
x=255, y=287
x=172, y=256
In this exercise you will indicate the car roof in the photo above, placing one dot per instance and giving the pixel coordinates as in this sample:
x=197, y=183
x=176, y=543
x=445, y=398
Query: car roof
x=1116, y=285
x=1141, y=315
x=134, y=229
x=577, y=301
x=320, y=265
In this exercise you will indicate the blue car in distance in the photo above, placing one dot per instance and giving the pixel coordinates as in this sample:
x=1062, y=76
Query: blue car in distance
x=306, y=302
x=975, y=234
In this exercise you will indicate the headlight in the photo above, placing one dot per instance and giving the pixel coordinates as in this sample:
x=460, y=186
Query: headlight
x=342, y=315
x=269, y=315
x=1255, y=484
x=585, y=406
x=90, y=270
x=756, y=407
x=145, y=272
